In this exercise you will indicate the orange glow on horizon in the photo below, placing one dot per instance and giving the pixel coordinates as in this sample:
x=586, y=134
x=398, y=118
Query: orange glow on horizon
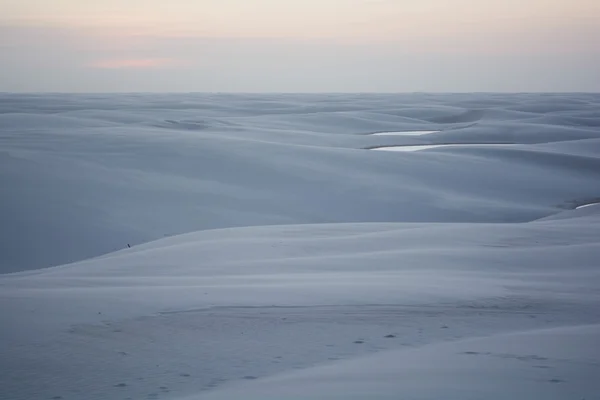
x=137, y=63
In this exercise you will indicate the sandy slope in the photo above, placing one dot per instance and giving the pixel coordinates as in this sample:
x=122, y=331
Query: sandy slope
x=86, y=175
x=460, y=273
x=545, y=364
x=194, y=312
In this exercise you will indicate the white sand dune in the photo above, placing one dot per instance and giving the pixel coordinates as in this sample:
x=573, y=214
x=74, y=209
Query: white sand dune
x=196, y=312
x=89, y=174
x=546, y=364
x=297, y=264
x=588, y=205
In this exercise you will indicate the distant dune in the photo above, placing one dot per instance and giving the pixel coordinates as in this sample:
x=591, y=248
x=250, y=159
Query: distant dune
x=85, y=175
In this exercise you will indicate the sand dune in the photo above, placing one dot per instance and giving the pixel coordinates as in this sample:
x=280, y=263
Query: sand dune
x=273, y=256
x=89, y=174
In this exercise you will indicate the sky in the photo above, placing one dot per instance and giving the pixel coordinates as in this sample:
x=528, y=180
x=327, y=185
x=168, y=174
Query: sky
x=299, y=45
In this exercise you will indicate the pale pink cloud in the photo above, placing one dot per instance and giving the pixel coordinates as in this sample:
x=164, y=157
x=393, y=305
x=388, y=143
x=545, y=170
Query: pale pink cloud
x=138, y=63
